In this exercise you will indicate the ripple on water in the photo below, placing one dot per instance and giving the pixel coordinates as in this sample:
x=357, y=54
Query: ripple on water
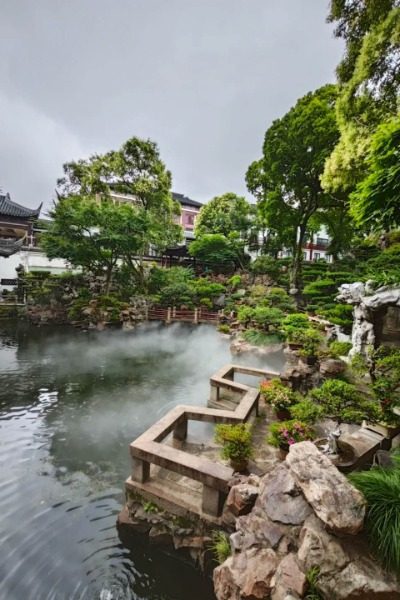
x=70, y=404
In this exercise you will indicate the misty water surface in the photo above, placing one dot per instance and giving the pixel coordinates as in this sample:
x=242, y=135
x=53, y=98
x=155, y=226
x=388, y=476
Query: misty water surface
x=70, y=404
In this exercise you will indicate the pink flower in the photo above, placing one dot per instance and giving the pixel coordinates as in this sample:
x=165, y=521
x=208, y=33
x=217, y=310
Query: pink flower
x=291, y=441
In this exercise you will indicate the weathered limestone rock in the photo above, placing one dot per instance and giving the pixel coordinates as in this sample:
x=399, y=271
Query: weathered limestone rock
x=256, y=529
x=346, y=570
x=241, y=499
x=289, y=579
x=281, y=499
x=246, y=576
x=334, y=500
x=331, y=367
x=160, y=536
x=367, y=303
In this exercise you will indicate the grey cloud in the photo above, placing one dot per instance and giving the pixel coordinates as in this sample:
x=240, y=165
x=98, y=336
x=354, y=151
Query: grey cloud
x=204, y=78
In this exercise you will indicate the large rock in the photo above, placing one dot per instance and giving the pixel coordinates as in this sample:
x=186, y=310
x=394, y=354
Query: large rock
x=289, y=579
x=241, y=498
x=281, y=499
x=334, y=500
x=346, y=570
x=256, y=529
x=246, y=576
x=331, y=367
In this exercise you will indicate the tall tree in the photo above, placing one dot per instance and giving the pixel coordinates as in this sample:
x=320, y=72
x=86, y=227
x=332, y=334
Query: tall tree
x=286, y=181
x=225, y=214
x=369, y=78
x=85, y=207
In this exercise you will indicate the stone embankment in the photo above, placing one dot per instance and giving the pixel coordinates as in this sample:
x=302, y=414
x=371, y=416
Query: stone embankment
x=305, y=516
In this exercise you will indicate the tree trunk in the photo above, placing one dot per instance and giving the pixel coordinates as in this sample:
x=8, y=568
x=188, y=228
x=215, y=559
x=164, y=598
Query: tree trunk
x=109, y=274
x=296, y=271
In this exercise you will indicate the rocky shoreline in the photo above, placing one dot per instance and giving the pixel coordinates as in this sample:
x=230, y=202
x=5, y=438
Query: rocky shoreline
x=302, y=517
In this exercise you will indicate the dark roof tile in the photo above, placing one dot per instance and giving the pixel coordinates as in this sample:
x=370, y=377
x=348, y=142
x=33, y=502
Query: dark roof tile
x=12, y=209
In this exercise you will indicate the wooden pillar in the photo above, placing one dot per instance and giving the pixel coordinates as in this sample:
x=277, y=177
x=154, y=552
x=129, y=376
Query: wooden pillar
x=174, y=312
x=196, y=316
x=140, y=470
x=168, y=320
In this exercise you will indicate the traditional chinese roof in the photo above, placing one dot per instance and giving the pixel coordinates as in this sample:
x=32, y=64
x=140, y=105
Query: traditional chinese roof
x=12, y=209
x=185, y=201
x=9, y=247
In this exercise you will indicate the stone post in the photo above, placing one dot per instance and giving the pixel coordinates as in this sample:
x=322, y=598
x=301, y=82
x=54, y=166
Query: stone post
x=174, y=312
x=196, y=316
x=180, y=431
x=168, y=319
x=140, y=470
x=213, y=501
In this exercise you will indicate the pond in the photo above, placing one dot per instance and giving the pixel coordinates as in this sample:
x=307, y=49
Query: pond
x=70, y=404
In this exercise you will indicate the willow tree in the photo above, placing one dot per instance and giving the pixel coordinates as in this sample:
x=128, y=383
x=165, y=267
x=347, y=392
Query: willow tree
x=286, y=180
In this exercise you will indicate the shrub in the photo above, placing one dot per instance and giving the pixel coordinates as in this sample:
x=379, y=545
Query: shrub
x=342, y=401
x=359, y=365
x=235, y=440
x=296, y=320
x=220, y=546
x=260, y=338
x=224, y=328
x=341, y=315
x=276, y=394
x=337, y=349
x=278, y=298
x=381, y=489
x=386, y=386
x=267, y=317
x=287, y=433
x=306, y=411
x=235, y=281
x=245, y=314
x=320, y=287
x=265, y=265
x=309, y=339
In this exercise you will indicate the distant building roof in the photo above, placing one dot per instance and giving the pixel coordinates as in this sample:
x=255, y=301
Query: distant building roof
x=12, y=209
x=185, y=201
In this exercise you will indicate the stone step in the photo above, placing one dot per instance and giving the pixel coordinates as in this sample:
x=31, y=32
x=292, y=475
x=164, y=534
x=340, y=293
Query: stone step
x=223, y=404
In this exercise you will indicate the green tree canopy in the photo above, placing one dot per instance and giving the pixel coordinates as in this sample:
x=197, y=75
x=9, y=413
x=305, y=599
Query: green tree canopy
x=214, y=250
x=369, y=75
x=93, y=231
x=225, y=214
x=375, y=204
x=286, y=181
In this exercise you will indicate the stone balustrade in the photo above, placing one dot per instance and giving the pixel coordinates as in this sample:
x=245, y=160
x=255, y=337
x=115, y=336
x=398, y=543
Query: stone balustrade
x=148, y=448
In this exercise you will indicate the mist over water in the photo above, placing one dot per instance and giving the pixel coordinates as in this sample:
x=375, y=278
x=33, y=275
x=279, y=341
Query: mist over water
x=70, y=404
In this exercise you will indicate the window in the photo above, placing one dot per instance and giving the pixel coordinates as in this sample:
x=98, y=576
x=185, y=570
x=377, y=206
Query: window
x=317, y=256
x=305, y=256
x=190, y=219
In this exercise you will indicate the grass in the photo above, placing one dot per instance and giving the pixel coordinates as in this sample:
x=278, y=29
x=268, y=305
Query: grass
x=381, y=488
x=220, y=546
x=259, y=338
x=313, y=592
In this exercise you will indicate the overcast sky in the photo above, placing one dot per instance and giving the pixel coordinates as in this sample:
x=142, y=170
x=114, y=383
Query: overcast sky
x=203, y=78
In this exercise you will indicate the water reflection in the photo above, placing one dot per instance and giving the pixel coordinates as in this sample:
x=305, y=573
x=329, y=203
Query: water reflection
x=70, y=403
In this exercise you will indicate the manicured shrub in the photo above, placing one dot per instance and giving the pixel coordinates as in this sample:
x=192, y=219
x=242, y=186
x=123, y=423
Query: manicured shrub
x=306, y=411
x=342, y=401
x=224, y=328
x=267, y=317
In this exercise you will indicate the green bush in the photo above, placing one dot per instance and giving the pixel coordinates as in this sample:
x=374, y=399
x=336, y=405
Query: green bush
x=235, y=440
x=267, y=317
x=276, y=394
x=220, y=546
x=265, y=265
x=224, y=328
x=342, y=401
x=278, y=298
x=260, y=338
x=386, y=386
x=381, y=489
x=306, y=411
x=337, y=349
x=341, y=315
x=359, y=365
x=235, y=281
x=320, y=287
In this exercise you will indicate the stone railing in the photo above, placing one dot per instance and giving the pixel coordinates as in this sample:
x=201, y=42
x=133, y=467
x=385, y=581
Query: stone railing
x=148, y=448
